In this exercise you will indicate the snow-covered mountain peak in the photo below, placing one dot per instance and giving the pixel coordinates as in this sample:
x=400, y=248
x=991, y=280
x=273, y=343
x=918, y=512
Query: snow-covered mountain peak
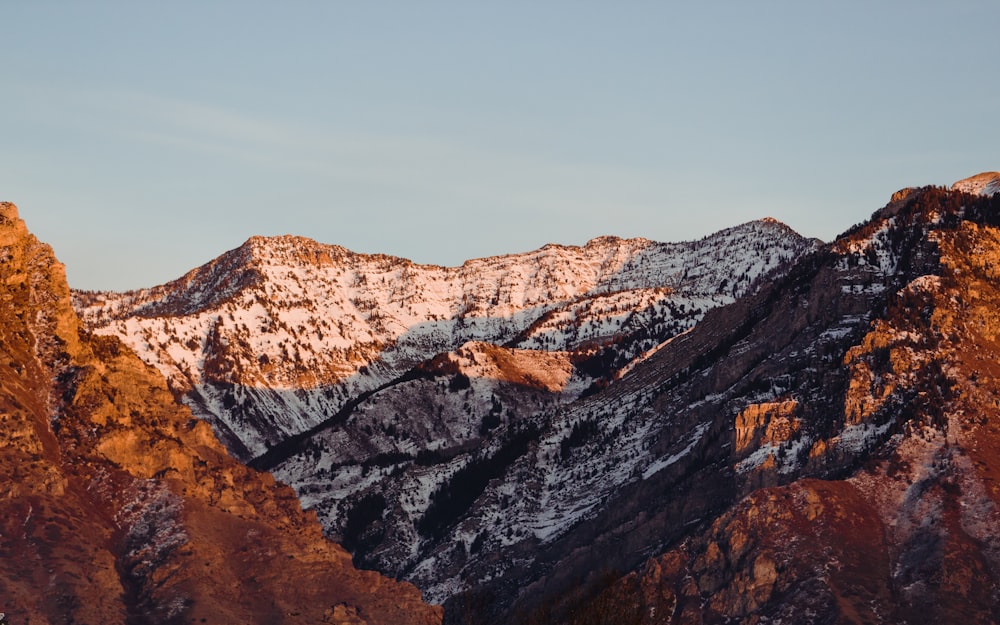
x=264, y=248
x=769, y=225
x=293, y=317
x=770, y=222
x=986, y=184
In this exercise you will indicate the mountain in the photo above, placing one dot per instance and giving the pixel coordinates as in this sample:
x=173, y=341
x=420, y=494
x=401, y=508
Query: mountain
x=274, y=337
x=118, y=506
x=369, y=383
x=750, y=428
x=985, y=184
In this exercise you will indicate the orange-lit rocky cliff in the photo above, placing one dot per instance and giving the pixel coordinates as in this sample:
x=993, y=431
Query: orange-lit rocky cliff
x=117, y=506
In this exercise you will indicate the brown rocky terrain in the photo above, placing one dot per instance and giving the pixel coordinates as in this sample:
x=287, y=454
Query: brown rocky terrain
x=118, y=506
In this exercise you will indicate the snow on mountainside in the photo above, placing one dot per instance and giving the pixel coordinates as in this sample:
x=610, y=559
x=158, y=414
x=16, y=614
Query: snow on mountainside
x=986, y=184
x=388, y=394
x=278, y=335
x=750, y=396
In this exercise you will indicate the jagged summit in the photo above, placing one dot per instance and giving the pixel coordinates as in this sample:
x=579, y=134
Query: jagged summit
x=277, y=250
x=265, y=258
x=607, y=239
x=986, y=183
x=280, y=250
x=754, y=225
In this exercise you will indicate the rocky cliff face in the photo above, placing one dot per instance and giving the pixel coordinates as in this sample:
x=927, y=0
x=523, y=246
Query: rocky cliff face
x=118, y=506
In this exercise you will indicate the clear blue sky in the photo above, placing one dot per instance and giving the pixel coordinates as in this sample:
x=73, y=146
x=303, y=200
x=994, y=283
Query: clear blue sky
x=142, y=139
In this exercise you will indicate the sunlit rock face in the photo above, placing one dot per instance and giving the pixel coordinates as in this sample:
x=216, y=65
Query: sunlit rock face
x=118, y=506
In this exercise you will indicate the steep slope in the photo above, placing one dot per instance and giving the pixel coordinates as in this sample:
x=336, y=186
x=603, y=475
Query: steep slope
x=872, y=366
x=117, y=506
x=273, y=338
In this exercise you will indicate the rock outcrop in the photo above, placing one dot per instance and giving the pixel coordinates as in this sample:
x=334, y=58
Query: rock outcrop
x=118, y=506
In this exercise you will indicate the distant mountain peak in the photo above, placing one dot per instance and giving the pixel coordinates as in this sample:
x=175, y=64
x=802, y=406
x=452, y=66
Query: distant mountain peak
x=767, y=222
x=287, y=312
x=986, y=183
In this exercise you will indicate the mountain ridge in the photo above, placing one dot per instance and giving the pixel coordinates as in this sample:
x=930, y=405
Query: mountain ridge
x=260, y=251
x=901, y=534
x=358, y=321
x=459, y=388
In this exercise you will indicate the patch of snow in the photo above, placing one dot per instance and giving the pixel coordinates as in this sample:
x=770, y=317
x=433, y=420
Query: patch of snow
x=663, y=463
